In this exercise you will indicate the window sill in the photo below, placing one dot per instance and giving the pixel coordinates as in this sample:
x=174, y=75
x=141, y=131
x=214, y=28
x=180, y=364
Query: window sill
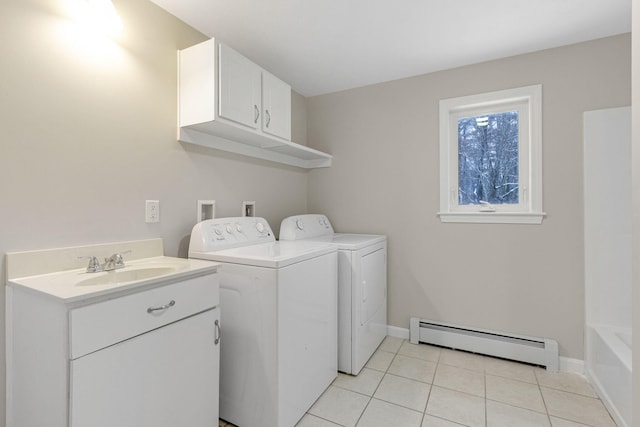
x=493, y=217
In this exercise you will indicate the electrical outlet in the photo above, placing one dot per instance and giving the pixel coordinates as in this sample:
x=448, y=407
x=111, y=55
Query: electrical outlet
x=152, y=211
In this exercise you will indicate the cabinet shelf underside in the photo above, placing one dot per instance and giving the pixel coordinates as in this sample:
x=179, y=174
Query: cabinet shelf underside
x=274, y=150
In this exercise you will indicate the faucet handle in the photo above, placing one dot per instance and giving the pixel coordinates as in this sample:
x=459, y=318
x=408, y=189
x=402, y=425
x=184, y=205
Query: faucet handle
x=117, y=259
x=94, y=265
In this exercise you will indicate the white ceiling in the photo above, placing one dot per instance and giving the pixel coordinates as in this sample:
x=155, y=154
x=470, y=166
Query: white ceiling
x=322, y=46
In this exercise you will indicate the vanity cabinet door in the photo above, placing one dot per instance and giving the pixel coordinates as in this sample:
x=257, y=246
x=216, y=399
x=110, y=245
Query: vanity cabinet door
x=165, y=378
x=276, y=101
x=240, y=85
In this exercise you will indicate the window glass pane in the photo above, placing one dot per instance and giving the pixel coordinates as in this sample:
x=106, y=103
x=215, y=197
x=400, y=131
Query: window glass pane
x=488, y=159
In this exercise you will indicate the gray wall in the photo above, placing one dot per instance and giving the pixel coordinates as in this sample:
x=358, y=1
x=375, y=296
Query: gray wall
x=298, y=120
x=88, y=132
x=525, y=279
x=635, y=186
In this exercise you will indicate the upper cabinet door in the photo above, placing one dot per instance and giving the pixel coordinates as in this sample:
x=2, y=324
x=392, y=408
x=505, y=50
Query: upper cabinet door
x=276, y=103
x=239, y=88
x=229, y=103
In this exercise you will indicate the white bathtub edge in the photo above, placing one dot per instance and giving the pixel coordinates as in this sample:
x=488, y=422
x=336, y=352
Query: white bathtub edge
x=605, y=351
x=606, y=400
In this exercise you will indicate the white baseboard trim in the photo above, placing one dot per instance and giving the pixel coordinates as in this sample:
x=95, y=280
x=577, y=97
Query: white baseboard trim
x=575, y=366
x=397, y=332
x=566, y=364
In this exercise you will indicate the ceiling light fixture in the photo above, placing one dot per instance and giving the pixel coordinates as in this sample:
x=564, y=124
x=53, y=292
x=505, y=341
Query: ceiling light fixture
x=100, y=16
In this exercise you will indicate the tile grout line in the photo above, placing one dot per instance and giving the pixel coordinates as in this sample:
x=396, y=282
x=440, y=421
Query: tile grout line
x=544, y=402
x=486, y=409
x=424, y=413
x=376, y=389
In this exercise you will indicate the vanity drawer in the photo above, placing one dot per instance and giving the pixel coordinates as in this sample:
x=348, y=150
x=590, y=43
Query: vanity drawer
x=99, y=325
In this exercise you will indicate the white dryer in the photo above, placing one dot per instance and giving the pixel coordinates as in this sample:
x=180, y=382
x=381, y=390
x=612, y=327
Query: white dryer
x=362, y=286
x=278, y=307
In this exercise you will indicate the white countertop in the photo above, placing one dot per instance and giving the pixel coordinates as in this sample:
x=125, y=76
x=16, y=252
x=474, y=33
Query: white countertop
x=75, y=285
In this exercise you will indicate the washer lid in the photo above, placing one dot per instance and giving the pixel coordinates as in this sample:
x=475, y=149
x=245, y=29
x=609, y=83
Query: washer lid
x=269, y=255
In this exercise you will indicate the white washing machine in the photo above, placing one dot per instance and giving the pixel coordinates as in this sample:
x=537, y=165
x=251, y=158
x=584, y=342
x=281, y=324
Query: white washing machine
x=362, y=286
x=278, y=307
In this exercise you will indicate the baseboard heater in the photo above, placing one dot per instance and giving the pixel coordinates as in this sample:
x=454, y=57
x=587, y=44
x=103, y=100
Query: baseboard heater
x=537, y=351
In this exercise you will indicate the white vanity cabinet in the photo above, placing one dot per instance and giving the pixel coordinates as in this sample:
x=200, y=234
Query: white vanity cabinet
x=228, y=102
x=145, y=357
x=162, y=378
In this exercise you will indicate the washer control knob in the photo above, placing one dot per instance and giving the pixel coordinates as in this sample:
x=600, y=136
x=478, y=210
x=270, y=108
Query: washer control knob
x=260, y=227
x=239, y=228
x=218, y=231
x=299, y=224
x=229, y=229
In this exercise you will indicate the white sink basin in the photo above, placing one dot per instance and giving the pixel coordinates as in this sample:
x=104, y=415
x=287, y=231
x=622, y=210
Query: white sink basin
x=125, y=275
x=76, y=284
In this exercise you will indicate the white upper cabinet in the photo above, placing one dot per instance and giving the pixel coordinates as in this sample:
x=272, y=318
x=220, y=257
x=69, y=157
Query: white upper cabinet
x=229, y=103
x=276, y=106
x=240, y=83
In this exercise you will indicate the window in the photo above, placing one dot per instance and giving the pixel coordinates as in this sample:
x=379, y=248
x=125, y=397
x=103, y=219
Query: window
x=491, y=157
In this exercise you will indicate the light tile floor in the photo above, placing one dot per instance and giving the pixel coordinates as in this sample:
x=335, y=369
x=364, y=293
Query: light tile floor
x=407, y=385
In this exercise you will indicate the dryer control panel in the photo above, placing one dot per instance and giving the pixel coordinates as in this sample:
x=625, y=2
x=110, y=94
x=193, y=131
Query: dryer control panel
x=305, y=227
x=226, y=233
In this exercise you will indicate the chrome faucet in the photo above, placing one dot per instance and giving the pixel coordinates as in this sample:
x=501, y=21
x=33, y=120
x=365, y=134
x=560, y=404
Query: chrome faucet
x=94, y=265
x=114, y=262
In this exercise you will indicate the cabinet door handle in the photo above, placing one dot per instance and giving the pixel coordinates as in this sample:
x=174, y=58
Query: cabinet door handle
x=218, y=332
x=162, y=307
x=255, y=107
x=268, y=117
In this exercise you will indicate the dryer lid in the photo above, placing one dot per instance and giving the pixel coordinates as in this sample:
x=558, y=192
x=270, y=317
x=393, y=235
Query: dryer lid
x=317, y=227
x=356, y=241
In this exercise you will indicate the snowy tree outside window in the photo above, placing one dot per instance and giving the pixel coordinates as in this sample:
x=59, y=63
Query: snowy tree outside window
x=491, y=157
x=488, y=159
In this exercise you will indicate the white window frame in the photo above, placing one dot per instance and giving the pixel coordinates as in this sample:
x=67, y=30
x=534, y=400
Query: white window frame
x=528, y=102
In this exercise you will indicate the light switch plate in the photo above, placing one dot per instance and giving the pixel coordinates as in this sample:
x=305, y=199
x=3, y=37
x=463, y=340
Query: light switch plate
x=152, y=211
